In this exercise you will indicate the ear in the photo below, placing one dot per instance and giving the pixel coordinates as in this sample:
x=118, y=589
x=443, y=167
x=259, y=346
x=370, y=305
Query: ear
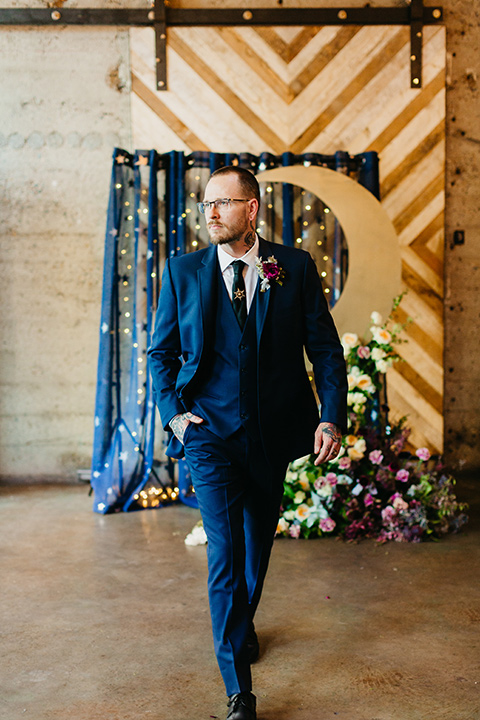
x=253, y=209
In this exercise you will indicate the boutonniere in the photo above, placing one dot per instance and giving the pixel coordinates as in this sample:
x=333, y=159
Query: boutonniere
x=269, y=270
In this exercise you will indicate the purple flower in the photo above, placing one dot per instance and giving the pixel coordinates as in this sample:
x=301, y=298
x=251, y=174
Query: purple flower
x=363, y=352
x=423, y=453
x=327, y=524
x=402, y=475
x=376, y=457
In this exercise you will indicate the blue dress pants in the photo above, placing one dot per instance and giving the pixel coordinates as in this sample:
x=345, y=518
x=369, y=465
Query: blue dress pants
x=239, y=494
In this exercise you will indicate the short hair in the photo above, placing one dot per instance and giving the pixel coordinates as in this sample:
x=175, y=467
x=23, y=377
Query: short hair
x=248, y=181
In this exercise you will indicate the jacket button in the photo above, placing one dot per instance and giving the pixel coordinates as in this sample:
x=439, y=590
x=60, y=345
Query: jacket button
x=244, y=416
x=243, y=347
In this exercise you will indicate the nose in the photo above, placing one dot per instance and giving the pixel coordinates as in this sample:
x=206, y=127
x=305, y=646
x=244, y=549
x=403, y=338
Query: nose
x=213, y=211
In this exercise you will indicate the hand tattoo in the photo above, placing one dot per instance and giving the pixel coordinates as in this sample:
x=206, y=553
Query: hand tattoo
x=179, y=424
x=332, y=431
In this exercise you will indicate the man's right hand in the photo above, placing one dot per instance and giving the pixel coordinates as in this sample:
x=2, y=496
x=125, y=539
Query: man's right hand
x=179, y=423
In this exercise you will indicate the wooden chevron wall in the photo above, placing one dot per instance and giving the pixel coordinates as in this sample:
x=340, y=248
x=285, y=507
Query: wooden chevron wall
x=322, y=89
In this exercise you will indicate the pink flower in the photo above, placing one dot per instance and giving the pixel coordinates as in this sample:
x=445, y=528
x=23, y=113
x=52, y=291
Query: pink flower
x=402, y=475
x=294, y=531
x=271, y=270
x=423, y=453
x=363, y=352
x=327, y=524
x=331, y=478
x=345, y=463
x=388, y=514
x=375, y=457
x=368, y=500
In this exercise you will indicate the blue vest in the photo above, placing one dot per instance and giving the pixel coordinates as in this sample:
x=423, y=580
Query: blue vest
x=227, y=395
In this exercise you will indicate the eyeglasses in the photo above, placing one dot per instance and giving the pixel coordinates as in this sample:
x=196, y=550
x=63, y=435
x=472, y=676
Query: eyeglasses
x=222, y=204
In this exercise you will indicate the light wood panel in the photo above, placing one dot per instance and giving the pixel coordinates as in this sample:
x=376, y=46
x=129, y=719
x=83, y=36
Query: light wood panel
x=321, y=90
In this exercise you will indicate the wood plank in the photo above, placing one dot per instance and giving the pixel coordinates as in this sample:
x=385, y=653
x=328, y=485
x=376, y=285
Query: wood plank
x=426, y=317
x=322, y=58
x=300, y=41
x=414, y=281
x=432, y=397
x=349, y=92
x=429, y=274
x=272, y=39
x=150, y=130
x=423, y=432
x=409, y=162
x=153, y=101
x=337, y=76
x=420, y=100
x=257, y=63
x=421, y=220
x=430, y=339
x=428, y=193
x=273, y=142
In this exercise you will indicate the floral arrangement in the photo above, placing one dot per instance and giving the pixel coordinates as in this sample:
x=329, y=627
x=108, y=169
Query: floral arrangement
x=269, y=270
x=374, y=488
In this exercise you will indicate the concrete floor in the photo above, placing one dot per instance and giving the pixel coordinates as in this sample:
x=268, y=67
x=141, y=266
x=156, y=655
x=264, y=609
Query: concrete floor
x=106, y=618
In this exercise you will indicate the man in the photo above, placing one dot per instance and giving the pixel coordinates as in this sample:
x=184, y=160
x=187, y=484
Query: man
x=227, y=361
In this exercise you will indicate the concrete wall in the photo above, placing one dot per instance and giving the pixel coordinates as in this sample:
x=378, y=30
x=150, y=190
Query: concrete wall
x=462, y=263
x=64, y=105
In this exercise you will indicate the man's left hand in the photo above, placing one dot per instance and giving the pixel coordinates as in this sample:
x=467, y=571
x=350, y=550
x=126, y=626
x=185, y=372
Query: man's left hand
x=328, y=441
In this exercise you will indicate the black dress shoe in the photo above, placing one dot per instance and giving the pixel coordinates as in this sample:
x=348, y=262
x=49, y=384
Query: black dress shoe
x=242, y=706
x=252, y=644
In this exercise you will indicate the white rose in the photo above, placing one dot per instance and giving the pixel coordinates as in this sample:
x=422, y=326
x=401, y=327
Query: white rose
x=282, y=525
x=383, y=365
x=356, y=398
x=298, y=463
x=299, y=497
x=381, y=336
x=349, y=340
x=302, y=512
x=354, y=454
x=364, y=382
x=289, y=515
x=376, y=318
x=360, y=445
x=303, y=481
x=378, y=354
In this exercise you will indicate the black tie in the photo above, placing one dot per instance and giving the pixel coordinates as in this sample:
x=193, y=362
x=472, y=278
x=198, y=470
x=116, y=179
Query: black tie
x=239, y=295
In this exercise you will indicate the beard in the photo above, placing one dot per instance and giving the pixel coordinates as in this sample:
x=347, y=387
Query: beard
x=223, y=234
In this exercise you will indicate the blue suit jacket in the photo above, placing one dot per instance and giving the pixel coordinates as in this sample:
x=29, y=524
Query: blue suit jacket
x=290, y=318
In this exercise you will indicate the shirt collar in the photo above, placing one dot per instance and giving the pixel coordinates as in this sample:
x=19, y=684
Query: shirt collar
x=249, y=258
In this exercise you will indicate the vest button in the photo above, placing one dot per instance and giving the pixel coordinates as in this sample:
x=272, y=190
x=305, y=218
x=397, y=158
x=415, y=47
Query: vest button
x=244, y=416
x=243, y=347
x=243, y=393
x=243, y=370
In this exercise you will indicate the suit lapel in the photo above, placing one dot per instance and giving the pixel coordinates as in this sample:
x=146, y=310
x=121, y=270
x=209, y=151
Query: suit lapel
x=207, y=285
x=263, y=298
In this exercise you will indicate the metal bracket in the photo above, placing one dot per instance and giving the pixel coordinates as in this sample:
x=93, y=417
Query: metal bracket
x=160, y=27
x=416, y=15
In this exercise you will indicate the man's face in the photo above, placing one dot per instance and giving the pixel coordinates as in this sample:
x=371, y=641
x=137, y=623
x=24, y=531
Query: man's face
x=228, y=225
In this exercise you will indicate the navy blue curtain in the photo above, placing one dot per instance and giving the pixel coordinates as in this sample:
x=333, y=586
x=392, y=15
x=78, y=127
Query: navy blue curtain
x=152, y=215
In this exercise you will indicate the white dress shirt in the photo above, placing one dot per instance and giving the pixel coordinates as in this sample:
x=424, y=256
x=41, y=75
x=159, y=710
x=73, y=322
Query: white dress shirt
x=250, y=274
